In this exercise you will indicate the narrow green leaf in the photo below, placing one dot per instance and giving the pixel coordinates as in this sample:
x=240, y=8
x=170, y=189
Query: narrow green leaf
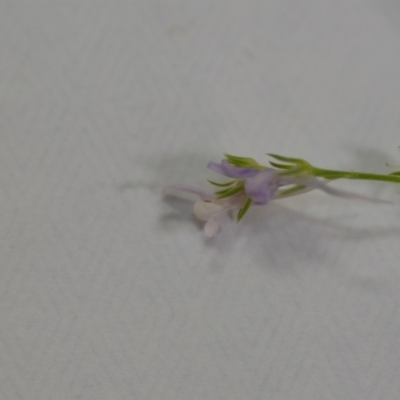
x=243, y=162
x=222, y=184
x=244, y=209
x=286, y=159
x=240, y=160
x=281, y=166
x=397, y=173
x=293, y=171
x=223, y=194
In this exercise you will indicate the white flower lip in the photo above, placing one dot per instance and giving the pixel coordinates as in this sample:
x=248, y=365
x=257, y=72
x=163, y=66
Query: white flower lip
x=203, y=210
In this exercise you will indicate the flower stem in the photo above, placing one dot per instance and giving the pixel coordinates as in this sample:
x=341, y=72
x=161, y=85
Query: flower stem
x=332, y=174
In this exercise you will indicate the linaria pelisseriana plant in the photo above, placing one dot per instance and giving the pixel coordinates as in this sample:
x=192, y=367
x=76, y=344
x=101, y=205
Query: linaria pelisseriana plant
x=254, y=184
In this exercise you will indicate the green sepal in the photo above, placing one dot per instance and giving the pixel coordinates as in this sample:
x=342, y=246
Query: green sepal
x=281, y=166
x=223, y=194
x=222, y=184
x=243, y=162
x=293, y=171
x=287, y=159
x=244, y=209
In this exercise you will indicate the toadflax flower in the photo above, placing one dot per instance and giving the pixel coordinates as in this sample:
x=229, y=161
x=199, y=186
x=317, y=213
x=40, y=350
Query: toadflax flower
x=209, y=207
x=255, y=184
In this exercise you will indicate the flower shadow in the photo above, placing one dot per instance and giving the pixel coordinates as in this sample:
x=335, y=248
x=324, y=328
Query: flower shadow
x=281, y=238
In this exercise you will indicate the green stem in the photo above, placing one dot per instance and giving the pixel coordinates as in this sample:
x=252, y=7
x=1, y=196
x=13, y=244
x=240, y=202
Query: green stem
x=332, y=174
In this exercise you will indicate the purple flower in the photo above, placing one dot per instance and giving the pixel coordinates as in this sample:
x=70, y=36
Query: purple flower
x=249, y=186
x=260, y=185
x=263, y=186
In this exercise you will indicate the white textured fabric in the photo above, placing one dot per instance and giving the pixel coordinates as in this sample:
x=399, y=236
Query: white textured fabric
x=107, y=291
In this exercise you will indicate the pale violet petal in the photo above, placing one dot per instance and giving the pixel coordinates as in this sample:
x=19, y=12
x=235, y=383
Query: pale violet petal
x=203, y=194
x=211, y=227
x=226, y=169
x=263, y=186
